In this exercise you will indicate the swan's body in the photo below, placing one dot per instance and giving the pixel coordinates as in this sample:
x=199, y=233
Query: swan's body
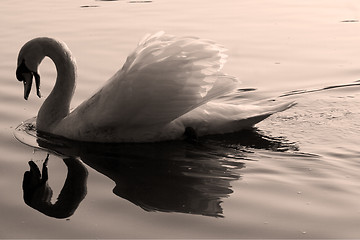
x=166, y=85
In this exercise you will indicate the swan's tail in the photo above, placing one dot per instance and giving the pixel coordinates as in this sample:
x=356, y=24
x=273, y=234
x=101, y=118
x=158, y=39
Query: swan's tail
x=265, y=113
x=281, y=107
x=221, y=118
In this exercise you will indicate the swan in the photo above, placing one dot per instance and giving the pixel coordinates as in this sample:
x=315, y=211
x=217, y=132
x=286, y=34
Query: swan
x=166, y=89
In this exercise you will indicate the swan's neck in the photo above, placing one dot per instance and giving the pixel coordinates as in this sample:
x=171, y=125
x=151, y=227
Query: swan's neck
x=57, y=104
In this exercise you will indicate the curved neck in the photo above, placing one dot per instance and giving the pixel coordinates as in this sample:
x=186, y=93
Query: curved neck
x=57, y=104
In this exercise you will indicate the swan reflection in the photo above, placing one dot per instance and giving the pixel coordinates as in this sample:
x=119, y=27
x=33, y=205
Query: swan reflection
x=184, y=177
x=38, y=194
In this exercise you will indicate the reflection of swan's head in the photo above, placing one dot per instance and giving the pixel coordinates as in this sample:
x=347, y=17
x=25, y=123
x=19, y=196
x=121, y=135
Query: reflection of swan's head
x=37, y=192
x=30, y=56
x=35, y=187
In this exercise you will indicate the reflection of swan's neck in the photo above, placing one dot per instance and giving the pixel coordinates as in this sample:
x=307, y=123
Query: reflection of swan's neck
x=57, y=104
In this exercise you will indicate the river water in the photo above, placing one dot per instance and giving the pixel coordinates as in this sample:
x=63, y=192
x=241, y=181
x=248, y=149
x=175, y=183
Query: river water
x=295, y=175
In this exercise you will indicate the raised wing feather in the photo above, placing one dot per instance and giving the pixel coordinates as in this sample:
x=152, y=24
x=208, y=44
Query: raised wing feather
x=162, y=79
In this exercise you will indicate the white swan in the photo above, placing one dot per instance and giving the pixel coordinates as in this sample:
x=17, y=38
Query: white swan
x=165, y=86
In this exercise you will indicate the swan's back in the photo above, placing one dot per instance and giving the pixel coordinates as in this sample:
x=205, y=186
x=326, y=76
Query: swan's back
x=161, y=80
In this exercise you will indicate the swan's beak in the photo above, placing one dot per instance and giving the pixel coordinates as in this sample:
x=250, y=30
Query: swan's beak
x=37, y=83
x=27, y=84
x=25, y=75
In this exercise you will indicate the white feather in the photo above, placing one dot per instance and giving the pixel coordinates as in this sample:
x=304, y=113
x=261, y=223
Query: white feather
x=162, y=79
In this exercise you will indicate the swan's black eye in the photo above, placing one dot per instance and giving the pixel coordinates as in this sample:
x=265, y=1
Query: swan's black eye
x=20, y=70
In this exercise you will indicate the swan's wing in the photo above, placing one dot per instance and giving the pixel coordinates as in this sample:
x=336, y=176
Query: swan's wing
x=162, y=79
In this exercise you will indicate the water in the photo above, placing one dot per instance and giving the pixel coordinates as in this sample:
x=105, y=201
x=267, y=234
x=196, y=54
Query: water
x=294, y=176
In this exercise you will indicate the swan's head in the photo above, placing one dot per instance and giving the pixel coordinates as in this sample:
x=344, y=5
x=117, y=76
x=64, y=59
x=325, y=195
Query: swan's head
x=30, y=57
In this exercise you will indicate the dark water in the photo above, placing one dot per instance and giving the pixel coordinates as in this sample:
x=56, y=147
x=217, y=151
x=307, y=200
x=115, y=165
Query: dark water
x=178, y=176
x=295, y=175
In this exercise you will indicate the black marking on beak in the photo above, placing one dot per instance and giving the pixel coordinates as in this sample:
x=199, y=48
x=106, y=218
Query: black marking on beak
x=20, y=70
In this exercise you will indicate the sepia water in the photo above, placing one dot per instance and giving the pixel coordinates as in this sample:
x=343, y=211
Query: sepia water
x=295, y=175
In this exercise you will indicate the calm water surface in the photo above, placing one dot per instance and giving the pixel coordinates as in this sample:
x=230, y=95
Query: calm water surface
x=296, y=175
